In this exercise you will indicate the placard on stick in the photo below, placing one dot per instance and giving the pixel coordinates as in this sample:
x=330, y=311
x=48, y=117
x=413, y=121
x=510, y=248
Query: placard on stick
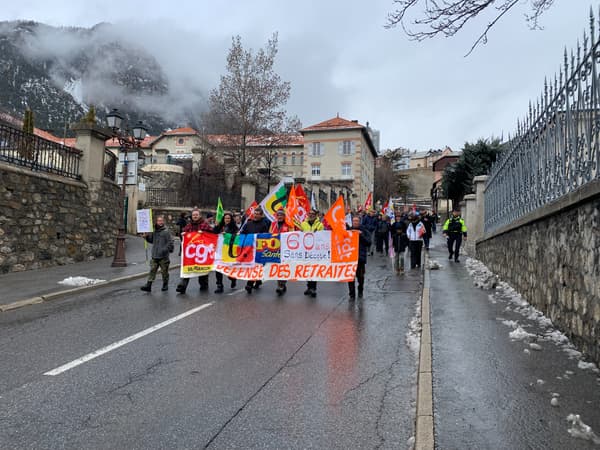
x=144, y=221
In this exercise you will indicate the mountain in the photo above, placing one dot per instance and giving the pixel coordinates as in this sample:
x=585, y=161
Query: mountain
x=59, y=72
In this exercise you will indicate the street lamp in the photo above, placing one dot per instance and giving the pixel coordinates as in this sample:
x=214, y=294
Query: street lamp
x=128, y=140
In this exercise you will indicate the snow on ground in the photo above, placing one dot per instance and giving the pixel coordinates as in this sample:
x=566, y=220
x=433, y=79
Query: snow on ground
x=580, y=430
x=413, y=335
x=80, y=281
x=485, y=279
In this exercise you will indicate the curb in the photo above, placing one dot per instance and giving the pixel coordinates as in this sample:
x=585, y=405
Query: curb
x=65, y=292
x=425, y=439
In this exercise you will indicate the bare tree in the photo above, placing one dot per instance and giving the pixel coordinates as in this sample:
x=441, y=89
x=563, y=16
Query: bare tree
x=448, y=17
x=389, y=180
x=249, y=102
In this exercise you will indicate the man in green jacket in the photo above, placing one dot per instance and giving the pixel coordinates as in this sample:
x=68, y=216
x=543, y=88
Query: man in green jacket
x=454, y=230
x=162, y=246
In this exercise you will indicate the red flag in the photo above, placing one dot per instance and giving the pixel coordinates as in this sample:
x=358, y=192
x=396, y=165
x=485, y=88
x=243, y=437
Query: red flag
x=250, y=210
x=303, y=205
x=291, y=209
x=369, y=202
x=336, y=216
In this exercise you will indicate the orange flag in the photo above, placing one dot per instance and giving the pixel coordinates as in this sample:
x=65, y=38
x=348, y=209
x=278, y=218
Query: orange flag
x=303, y=205
x=336, y=216
x=291, y=209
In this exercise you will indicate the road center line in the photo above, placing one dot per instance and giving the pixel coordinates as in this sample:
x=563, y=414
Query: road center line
x=123, y=342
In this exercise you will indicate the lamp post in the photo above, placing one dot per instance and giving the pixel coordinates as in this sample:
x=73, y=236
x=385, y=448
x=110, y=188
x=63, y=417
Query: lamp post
x=128, y=140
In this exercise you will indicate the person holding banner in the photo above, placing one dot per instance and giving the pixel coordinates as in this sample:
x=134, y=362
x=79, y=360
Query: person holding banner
x=258, y=224
x=197, y=224
x=364, y=240
x=226, y=225
x=312, y=223
x=162, y=245
x=280, y=226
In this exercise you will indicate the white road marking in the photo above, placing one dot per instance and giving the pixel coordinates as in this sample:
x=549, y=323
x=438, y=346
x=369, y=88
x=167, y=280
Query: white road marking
x=123, y=342
x=237, y=291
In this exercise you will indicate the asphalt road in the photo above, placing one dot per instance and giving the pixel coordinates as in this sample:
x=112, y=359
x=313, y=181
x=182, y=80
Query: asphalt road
x=244, y=372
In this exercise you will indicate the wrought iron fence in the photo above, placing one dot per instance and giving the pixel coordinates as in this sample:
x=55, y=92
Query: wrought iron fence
x=110, y=165
x=162, y=197
x=28, y=150
x=555, y=149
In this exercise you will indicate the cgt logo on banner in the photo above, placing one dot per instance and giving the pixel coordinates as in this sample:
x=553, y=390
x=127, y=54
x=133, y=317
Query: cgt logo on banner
x=318, y=256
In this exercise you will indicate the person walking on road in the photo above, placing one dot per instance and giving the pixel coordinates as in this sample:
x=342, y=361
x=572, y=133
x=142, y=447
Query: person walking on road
x=311, y=223
x=427, y=222
x=415, y=232
x=369, y=221
x=364, y=240
x=226, y=225
x=197, y=224
x=258, y=224
x=277, y=227
x=455, y=230
x=162, y=246
x=382, y=235
x=400, y=242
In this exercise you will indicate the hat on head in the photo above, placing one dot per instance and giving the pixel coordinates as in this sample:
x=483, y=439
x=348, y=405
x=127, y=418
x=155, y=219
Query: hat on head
x=456, y=209
x=280, y=212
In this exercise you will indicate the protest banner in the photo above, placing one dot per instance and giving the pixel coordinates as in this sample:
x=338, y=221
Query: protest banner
x=296, y=255
x=198, y=254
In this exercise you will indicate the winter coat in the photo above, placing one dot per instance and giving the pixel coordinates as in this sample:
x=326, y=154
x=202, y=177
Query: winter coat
x=256, y=226
x=315, y=226
x=280, y=227
x=399, y=236
x=231, y=228
x=369, y=222
x=162, y=242
x=455, y=225
x=427, y=223
x=383, y=227
x=364, y=241
x=415, y=231
x=201, y=225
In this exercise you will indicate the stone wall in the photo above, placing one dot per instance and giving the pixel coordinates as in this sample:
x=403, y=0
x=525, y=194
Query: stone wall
x=48, y=220
x=552, y=259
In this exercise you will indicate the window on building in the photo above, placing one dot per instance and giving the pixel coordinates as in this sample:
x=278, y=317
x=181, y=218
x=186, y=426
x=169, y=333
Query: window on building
x=284, y=160
x=275, y=158
x=180, y=141
x=317, y=149
x=346, y=148
x=301, y=158
x=315, y=170
x=346, y=169
x=293, y=159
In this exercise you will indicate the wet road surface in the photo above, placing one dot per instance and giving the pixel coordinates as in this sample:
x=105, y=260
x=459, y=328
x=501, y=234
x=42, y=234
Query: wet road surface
x=244, y=372
x=494, y=392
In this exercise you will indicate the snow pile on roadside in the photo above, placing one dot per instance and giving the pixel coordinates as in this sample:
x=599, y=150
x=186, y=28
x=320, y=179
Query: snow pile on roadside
x=80, y=281
x=580, y=430
x=432, y=264
x=413, y=335
x=485, y=279
x=482, y=277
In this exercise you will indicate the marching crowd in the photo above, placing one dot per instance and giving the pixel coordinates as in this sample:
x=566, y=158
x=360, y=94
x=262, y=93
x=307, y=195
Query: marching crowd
x=390, y=237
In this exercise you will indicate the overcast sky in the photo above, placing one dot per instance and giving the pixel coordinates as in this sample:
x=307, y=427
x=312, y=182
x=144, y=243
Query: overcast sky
x=340, y=59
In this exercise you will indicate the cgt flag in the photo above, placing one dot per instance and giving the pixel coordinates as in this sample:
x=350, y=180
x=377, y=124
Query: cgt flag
x=369, y=202
x=275, y=200
x=292, y=209
x=303, y=205
x=336, y=216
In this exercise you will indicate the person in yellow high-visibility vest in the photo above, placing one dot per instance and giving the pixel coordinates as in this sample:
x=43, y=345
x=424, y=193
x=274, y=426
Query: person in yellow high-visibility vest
x=455, y=229
x=312, y=223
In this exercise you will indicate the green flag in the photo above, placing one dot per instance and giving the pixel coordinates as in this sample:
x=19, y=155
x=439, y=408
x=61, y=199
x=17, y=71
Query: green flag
x=220, y=212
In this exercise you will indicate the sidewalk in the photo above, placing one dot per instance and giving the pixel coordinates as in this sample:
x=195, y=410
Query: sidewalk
x=503, y=376
x=34, y=286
